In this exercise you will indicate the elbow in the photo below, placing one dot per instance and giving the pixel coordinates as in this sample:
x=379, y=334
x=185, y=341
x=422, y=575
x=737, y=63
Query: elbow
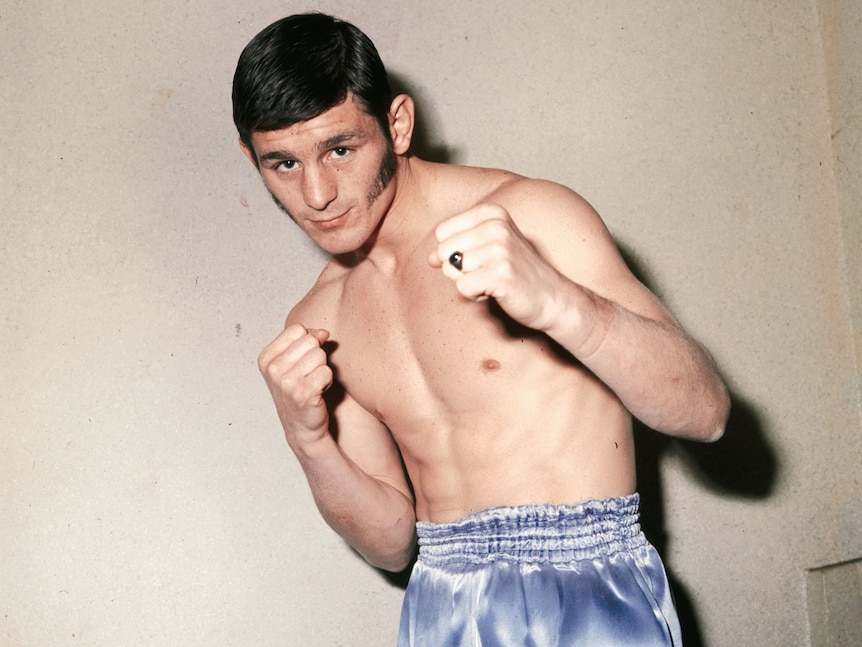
x=712, y=433
x=395, y=560
x=699, y=418
x=397, y=566
x=717, y=411
x=394, y=549
x=703, y=419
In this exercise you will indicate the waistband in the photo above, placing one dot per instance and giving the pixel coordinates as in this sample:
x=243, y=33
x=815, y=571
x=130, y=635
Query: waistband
x=534, y=533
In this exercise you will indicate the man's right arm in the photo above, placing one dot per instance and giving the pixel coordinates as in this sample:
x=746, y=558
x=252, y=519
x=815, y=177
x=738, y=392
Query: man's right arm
x=355, y=475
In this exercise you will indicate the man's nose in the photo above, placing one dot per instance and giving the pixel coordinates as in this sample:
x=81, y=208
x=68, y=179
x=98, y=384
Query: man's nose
x=319, y=187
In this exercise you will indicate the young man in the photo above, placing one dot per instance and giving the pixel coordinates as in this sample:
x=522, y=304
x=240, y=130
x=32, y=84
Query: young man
x=482, y=328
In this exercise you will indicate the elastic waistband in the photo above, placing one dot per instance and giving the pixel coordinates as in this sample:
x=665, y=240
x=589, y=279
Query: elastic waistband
x=534, y=533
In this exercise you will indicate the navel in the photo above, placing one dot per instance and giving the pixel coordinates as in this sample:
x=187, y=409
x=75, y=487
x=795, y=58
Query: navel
x=490, y=366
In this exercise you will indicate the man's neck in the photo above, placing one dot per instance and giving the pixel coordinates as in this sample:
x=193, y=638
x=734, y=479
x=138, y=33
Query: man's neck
x=402, y=226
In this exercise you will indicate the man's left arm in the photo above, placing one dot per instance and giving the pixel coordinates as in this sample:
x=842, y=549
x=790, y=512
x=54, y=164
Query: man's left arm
x=548, y=260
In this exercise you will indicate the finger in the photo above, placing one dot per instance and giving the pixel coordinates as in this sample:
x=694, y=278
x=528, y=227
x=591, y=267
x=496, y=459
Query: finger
x=304, y=357
x=441, y=255
x=467, y=220
x=301, y=370
x=467, y=263
x=322, y=378
x=451, y=256
x=458, y=253
x=476, y=286
x=474, y=246
x=469, y=253
x=315, y=384
x=453, y=235
x=284, y=339
x=292, y=342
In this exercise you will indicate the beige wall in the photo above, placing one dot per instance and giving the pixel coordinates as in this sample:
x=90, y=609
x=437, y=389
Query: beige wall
x=146, y=494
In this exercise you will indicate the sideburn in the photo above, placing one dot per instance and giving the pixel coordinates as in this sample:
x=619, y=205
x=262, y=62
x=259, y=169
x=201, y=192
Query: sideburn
x=385, y=173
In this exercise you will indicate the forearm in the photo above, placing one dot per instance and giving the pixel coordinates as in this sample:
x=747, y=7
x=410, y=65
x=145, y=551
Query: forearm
x=375, y=517
x=661, y=375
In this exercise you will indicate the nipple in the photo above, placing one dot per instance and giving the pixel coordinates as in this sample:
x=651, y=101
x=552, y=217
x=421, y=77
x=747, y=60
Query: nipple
x=490, y=366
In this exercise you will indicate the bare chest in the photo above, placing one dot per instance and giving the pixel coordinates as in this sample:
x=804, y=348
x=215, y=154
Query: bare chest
x=416, y=354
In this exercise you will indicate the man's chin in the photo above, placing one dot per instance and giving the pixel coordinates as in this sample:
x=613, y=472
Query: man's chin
x=333, y=246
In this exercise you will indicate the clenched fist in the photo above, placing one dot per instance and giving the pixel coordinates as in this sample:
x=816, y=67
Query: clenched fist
x=497, y=261
x=295, y=368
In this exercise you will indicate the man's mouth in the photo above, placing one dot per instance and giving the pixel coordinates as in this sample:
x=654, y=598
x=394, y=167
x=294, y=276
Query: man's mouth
x=332, y=223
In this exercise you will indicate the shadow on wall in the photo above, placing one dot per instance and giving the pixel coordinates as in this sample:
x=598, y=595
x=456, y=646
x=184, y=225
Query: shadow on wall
x=742, y=464
x=422, y=145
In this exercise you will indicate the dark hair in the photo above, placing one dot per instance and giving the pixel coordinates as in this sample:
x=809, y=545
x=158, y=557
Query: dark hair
x=301, y=66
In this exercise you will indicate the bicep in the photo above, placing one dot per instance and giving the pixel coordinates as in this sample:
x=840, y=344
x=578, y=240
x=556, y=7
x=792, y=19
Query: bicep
x=368, y=443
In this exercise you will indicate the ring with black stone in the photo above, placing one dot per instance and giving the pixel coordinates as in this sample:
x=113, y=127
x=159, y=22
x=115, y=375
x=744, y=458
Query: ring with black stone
x=456, y=260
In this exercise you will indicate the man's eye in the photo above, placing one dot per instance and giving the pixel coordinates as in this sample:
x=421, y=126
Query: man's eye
x=286, y=165
x=341, y=151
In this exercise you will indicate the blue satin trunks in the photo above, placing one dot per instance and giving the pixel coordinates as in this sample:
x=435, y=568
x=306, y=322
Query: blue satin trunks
x=539, y=576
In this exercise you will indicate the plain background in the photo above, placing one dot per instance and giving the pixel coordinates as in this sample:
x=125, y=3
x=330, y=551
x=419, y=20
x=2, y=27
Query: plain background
x=147, y=496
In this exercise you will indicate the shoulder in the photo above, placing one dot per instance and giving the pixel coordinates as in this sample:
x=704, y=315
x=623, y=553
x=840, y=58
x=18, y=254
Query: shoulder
x=553, y=214
x=457, y=188
x=543, y=201
x=558, y=220
x=532, y=203
x=566, y=230
x=318, y=307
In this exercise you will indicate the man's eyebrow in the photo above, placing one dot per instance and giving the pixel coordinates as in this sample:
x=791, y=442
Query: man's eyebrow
x=275, y=155
x=335, y=140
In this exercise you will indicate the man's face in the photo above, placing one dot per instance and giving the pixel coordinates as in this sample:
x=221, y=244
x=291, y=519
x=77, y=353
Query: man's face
x=331, y=174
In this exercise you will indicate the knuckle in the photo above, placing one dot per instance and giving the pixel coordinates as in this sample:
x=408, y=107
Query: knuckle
x=295, y=329
x=264, y=360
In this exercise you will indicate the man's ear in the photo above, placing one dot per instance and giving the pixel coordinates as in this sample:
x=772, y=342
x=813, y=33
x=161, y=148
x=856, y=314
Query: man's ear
x=249, y=153
x=401, y=121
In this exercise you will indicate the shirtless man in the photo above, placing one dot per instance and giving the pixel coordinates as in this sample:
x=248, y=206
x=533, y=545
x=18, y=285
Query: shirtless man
x=482, y=328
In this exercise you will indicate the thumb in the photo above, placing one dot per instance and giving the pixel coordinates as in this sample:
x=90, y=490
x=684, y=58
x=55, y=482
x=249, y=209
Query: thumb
x=319, y=333
x=434, y=260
